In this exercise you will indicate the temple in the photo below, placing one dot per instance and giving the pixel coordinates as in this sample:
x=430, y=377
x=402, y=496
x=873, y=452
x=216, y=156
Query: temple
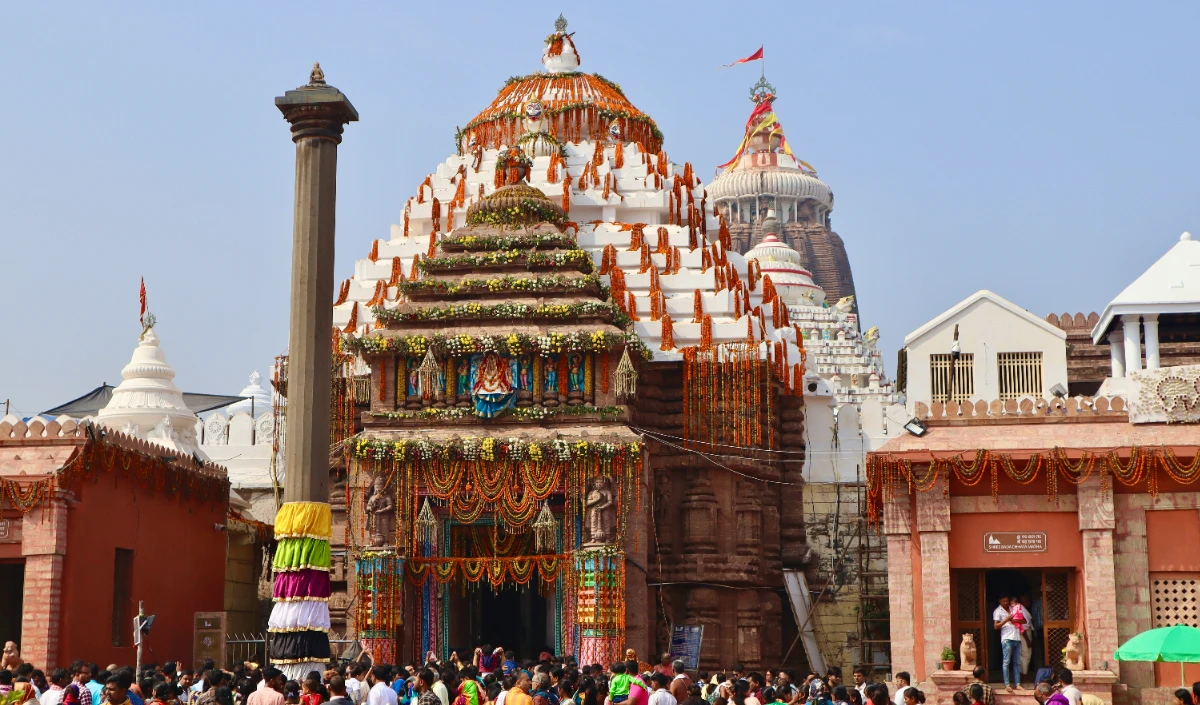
x=764, y=175
x=562, y=339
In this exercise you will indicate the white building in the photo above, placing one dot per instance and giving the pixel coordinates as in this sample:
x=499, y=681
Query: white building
x=1167, y=295
x=985, y=348
x=242, y=438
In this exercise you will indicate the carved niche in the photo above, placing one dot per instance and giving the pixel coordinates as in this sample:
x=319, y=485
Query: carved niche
x=699, y=514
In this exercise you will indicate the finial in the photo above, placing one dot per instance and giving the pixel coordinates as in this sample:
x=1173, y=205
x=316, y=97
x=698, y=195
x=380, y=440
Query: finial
x=560, y=25
x=761, y=91
x=1185, y=237
x=317, y=77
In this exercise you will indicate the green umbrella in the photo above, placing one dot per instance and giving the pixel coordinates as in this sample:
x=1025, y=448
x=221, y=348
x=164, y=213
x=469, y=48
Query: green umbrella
x=1173, y=644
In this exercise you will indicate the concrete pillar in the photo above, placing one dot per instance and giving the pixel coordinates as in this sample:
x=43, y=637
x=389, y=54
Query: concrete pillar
x=1096, y=523
x=1116, y=350
x=317, y=113
x=897, y=525
x=1150, y=325
x=1133, y=343
x=933, y=523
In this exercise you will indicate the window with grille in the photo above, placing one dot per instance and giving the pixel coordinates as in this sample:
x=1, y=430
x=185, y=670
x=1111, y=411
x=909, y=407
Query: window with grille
x=1175, y=599
x=1020, y=374
x=952, y=380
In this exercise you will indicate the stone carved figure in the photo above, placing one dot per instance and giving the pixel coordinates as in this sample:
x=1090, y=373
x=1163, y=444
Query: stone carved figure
x=845, y=304
x=12, y=656
x=381, y=514
x=1073, y=654
x=968, y=653
x=600, y=514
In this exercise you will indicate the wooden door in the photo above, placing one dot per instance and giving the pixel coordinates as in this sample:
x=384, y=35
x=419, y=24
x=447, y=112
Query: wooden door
x=968, y=612
x=1058, y=613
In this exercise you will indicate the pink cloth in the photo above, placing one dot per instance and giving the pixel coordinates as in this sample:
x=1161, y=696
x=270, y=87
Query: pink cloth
x=302, y=583
x=1017, y=611
x=638, y=695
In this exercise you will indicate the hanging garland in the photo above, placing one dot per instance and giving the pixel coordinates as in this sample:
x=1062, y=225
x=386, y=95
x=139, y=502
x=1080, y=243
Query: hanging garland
x=726, y=390
x=604, y=413
x=497, y=571
x=152, y=473
x=503, y=311
x=504, y=284
x=531, y=259
x=507, y=343
x=885, y=472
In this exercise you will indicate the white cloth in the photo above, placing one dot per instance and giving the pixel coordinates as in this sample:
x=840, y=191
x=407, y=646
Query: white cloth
x=381, y=694
x=662, y=696
x=862, y=690
x=500, y=697
x=439, y=689
x=1027, y=652
x=1009, y=631
x=303, y=614
x=899, y=697
x=354, y=688
x=52, y=696
x=1075, y=695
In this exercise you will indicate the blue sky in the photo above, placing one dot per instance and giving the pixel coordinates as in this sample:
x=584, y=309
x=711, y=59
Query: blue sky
x=1046, y=151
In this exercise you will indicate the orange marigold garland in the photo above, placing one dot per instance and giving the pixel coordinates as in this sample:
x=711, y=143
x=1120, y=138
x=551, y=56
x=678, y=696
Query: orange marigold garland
x=646, y=262
x=697, y=306
x=706, y=332
x=566, y=194
x=668, y=333
x=374, y=256
x=352, y=325
x=407, y=207
x=637, y=236
x=604, y=371
x=343, y=293
x=608, y=260
x=415, y=272
x=723, y=234
x=562, y=375
x=432, y=244
x=619, y=155
x=768, y=292
x=397, y=272
x=664, y=241
x=632, y=310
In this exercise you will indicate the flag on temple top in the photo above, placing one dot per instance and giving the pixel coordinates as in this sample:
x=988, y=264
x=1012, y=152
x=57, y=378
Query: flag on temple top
x=756, y=56
x=142, y=299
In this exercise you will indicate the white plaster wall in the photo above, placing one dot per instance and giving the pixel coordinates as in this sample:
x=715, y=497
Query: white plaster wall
x=985, y=329
x=860, y=430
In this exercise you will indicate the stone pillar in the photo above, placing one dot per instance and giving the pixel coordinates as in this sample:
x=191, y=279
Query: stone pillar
x=1116, y=350
x=897, y=525
x=317, y=113
x=1096, y=523
x=1133, y=343
x=44, y=545
x=933, y=521
x=1150, y=326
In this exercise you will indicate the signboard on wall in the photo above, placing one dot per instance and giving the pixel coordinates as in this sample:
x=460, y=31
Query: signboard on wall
x=208, y=638
x=685, y=644
x=1014, y=542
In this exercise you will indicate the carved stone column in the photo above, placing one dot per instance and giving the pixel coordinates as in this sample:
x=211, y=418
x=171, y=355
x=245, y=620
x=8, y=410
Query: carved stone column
x=897, y=525
x=699, y=514
x=317, y=112
x=1096, y=523
x=749, y=626
x=933, y=522
x=701, y=609
x=664, y=514
x=749, y=519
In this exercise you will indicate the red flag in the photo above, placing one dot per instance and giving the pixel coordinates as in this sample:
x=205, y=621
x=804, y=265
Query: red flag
x=142, y=299
x=756, y=56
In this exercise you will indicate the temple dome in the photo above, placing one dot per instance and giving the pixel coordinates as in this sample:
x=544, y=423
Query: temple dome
x=147, y=404
x=262, y=401
x=783, y=264
x=775, y=179
x=562, y=101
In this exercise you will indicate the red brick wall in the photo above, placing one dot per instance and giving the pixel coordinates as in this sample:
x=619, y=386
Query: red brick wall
x=178, y=569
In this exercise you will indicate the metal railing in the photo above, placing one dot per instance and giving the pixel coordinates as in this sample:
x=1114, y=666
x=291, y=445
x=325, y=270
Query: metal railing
x=240, y=648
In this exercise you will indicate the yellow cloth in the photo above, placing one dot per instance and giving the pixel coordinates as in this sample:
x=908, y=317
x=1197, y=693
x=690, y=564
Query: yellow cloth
x=516, y=696
x=304, y=519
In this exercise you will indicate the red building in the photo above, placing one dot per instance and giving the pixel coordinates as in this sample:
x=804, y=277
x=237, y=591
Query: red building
x=94, y=521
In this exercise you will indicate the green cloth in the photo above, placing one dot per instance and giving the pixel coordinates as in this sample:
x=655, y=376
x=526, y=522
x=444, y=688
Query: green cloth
x=619, y=684
x=297, y=554
x=1178, y=644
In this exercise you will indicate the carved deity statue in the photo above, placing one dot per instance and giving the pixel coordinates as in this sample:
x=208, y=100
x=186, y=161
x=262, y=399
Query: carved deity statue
x=381, y=514
x=600, y=513
x=12, y=656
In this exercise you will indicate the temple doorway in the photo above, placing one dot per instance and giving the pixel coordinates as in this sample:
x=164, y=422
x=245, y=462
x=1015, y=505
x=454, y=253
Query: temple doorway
x=514, y=617
x=12, y=592
x=1048, y=596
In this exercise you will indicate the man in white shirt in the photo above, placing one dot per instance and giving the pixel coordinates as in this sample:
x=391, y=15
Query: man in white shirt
x=54, y=693
x=860, y=682
x=1067, y=687
x=902, y=680
x=661, y=696
x=1010, y=643
x=381, y=692
x=439, y=689
x=354, y=684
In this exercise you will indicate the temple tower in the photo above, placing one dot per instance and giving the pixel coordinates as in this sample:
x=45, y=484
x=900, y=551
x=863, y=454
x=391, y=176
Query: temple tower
x=765, y=175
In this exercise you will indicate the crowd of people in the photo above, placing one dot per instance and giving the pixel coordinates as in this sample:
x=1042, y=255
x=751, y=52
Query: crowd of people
x=495, y=677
